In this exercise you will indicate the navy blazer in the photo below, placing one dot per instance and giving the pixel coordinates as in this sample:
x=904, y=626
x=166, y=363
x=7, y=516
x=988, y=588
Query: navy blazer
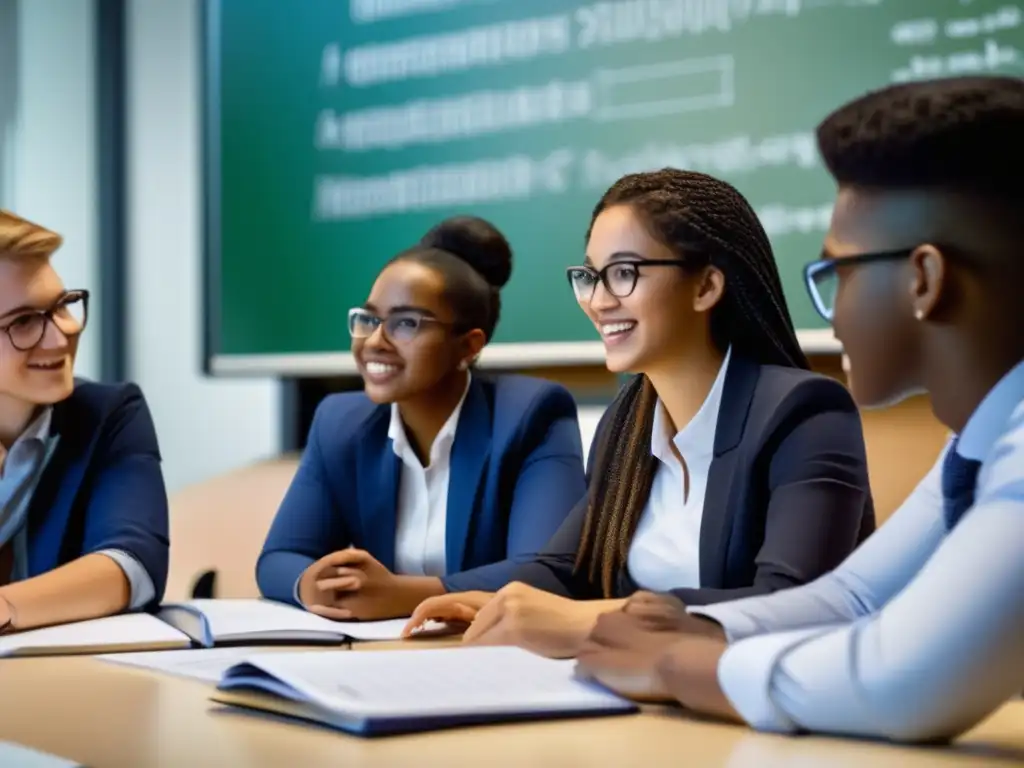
x=787, y=496
x=516, y=471
x=103, y=487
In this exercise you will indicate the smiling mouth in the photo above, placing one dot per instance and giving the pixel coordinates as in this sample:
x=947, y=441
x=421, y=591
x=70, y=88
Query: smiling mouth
x=379, y=372
x=613, y=333
x=51, y=365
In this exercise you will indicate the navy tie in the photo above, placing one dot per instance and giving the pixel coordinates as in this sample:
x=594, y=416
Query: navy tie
x=959, y=476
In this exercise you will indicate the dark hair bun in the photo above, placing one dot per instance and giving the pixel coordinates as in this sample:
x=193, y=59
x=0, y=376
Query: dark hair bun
x=478, y=243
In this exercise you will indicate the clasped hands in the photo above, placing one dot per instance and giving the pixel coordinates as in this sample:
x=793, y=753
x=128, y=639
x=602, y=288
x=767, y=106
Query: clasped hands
x=352, y=584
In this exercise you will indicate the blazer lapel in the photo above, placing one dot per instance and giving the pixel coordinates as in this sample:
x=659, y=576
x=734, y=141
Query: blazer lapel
x=717, y=517
x=470, y=453
x=378, y=493
x=54, y=497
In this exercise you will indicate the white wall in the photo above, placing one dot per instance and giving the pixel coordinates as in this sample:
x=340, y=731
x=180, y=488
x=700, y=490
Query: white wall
x=206, y=427
x=47, y=138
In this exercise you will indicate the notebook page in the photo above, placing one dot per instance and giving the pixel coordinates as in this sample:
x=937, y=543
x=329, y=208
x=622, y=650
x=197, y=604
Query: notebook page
x=242, y=617
x=17, y=756
x=206, y=664
x=437, y=682
x=125, y=630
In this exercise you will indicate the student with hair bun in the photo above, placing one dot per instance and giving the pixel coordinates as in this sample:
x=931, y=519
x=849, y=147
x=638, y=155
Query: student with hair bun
x=436, y=477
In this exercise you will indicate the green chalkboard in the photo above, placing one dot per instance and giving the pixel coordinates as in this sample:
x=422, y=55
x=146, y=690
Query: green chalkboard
x=338, y=131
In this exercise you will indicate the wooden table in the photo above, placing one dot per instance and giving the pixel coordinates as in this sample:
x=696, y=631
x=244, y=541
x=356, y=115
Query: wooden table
x=107, y=716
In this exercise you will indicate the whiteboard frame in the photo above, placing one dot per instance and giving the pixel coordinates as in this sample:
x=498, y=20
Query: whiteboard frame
x=511, y=356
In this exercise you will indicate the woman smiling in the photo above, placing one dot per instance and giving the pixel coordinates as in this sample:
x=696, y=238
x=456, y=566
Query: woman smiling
x=725, y=468
x=436, y=476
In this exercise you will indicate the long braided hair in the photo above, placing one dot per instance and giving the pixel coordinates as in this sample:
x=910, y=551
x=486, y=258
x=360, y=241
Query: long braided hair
x=704, y=221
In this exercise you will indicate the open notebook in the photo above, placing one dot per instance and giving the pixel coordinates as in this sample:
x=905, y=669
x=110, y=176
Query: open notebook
x=16, y=756
x=205, y=623
x=370, y=694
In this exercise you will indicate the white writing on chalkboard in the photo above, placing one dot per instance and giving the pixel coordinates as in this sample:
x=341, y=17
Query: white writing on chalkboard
x=520, y=176
x=433, y=55
x=967, y=42
x=367, y=11
x=613, y=22
x=674, y=87
x=988, y=55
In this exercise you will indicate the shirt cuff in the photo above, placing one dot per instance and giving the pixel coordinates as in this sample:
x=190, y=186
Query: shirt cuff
x=736, y=624
x=745, y=676
x=140, y=585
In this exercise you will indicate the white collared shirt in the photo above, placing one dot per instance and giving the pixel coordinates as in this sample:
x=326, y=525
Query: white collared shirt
x=919, y=634
x=423, y=497
x=665, y=551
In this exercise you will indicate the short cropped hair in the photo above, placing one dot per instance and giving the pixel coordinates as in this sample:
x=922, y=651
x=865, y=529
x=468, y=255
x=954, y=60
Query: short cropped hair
x=21, y=238
x=960, y=134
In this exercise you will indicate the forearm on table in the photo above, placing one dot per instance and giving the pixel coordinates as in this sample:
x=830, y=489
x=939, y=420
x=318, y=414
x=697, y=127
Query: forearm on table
x=598, y=607
x=585, y=613
x=87, y=588
x=689, y=672
x=413, y=590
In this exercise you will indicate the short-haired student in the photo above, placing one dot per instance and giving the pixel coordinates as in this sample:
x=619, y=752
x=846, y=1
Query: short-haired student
x=83, y=507
x=917, y=636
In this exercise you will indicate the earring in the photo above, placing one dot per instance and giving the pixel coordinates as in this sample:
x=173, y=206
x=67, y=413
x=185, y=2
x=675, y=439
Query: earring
x=463, y=365
x=919, y=314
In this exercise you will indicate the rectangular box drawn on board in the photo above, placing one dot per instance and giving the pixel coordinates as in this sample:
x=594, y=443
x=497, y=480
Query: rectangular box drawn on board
x=668, y=88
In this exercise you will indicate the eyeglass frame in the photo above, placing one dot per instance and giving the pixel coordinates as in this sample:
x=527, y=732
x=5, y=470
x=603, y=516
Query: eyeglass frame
x=382, y=321
x=602, y=274
x=814, y=268
x=47, y=316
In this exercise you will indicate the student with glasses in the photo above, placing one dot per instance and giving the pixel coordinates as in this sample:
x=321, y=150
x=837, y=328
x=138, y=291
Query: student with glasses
x=83, y=508
x=917, y=636
x=436, y=477
x=725, y=468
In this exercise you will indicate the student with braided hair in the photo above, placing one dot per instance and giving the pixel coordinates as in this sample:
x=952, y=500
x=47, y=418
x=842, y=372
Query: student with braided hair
x=916, y=637
x=725, y=468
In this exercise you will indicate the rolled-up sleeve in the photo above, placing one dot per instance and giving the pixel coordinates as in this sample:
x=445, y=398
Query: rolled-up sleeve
x=140, y=585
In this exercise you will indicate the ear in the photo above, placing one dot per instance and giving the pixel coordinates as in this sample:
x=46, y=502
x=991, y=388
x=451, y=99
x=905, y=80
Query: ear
x=929, y=277
x=472, y=342
x=710, y=289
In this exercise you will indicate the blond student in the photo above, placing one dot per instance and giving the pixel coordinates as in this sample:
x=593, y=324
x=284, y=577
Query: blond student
x=83, y=508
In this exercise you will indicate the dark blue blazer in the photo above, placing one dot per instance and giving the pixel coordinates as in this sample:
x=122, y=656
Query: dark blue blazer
x=516, y=471
x=103, y=487
x=787, y=496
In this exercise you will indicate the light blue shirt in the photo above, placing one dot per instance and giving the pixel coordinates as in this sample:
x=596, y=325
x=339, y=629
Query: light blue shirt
x=22, y=468
x=919, y=634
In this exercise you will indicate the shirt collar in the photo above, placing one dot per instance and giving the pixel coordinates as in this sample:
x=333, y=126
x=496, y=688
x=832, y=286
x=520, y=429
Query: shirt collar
x=988, y=422
x=37, y=433
x=697, y=437
x=39, y=427
x=400, y=440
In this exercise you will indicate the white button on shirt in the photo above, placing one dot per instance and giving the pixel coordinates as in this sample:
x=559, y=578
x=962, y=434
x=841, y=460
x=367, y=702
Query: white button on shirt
x=423, y=498
x=665, y=552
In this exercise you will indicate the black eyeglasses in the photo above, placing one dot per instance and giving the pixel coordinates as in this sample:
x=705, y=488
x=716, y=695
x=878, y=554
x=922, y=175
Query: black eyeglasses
x=68, y=315
x=401, y=326
x=619, y=278
x=822, y=279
